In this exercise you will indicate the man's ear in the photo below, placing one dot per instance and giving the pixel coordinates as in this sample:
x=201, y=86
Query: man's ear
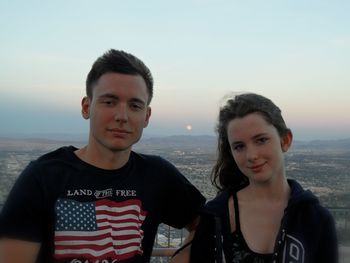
x=85, y=107
x=286, y=141
x=148, y=115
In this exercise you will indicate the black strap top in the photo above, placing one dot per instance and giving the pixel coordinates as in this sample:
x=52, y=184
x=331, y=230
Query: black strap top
x=240, y=252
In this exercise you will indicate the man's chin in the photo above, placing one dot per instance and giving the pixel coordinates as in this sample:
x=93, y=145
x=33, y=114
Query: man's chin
x=120, y=148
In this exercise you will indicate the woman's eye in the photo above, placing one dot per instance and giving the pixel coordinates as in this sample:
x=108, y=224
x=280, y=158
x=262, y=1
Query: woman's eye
x=238, y=147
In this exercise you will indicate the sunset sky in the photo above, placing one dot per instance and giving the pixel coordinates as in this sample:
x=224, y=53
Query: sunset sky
x=295, y=52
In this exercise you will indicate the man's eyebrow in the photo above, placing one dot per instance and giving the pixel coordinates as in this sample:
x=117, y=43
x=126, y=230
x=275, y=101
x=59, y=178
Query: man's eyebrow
x=108, y=95
x=137, y=100
x=112, y=96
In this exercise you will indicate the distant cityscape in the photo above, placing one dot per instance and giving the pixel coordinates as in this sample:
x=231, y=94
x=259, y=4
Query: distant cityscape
x=321, y=166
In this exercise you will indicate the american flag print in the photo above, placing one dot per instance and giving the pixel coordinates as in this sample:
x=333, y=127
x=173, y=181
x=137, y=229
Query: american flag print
x=103, y=229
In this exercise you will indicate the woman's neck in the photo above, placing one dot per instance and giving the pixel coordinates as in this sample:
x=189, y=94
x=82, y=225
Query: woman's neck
x=270, y=191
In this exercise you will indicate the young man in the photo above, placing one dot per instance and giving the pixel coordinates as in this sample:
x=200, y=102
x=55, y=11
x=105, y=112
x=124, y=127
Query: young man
x=103, y=202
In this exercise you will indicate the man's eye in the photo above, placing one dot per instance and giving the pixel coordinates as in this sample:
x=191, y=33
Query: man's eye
x=136, y=106
x=108, y=102
x=262, y=140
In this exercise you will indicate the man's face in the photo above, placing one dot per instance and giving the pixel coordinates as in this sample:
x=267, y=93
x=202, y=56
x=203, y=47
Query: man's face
x=118, y=111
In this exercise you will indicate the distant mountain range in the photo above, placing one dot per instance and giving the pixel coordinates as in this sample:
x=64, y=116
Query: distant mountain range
x=210, y=142
x=209, y=138
x=179, y=141
x=342, y=144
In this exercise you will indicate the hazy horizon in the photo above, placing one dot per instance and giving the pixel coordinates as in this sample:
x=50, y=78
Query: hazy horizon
x=83, y=137
x=296, y=53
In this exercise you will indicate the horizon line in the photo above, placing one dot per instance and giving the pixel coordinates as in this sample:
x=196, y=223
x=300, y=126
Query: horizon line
x=83, y=137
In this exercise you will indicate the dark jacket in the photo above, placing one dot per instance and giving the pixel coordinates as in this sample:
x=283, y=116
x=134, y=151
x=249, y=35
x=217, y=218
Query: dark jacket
x=307, y=233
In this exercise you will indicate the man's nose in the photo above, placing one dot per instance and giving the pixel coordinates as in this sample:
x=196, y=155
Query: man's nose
x=121, y=113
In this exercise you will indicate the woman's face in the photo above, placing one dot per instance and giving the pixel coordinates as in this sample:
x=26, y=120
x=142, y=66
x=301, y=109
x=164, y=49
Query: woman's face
x=257, y=148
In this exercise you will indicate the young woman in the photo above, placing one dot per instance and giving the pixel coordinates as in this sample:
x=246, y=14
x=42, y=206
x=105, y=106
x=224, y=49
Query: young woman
x=259, y=215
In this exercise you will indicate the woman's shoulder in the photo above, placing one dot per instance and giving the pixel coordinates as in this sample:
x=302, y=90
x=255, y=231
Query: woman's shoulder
x=218, y=204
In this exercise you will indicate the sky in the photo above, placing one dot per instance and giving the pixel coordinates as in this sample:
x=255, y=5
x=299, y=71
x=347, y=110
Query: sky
x=297, y=53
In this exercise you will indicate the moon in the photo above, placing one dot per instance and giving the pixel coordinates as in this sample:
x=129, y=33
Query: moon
x=189, y=127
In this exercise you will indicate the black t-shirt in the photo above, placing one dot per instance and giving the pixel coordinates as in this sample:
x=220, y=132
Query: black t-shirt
x=81, y=213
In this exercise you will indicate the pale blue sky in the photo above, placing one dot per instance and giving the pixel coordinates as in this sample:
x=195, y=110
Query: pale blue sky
x=295, y=52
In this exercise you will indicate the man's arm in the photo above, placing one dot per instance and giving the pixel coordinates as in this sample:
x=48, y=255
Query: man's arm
x=18, y=251
x=183, y=254
x=193, y=225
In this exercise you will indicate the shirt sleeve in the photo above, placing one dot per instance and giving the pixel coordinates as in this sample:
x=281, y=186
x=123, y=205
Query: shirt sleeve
x=182, y=199
x=203, y=244
x=22, y=214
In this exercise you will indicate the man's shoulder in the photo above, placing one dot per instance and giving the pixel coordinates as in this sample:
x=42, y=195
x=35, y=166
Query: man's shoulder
x=154, y=164
x=58, y=154
x=218, y=204
x=148, y=158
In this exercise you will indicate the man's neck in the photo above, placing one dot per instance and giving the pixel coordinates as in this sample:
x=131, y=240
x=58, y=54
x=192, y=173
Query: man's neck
x=103, y=158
